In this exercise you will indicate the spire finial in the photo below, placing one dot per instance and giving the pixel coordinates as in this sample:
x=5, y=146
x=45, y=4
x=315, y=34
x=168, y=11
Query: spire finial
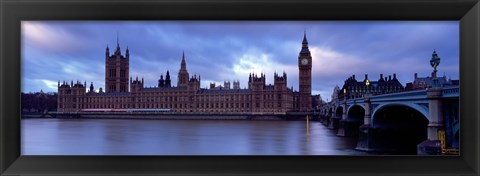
x=118, y=41
x=305, y=37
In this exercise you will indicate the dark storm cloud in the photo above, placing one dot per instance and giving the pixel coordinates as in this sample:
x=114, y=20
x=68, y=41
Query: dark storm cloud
x=56, y=51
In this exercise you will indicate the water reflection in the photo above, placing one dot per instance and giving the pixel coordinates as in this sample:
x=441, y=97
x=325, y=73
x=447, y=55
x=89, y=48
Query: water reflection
x=180, y=137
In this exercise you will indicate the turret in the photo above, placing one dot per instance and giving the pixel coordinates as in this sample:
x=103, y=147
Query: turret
x=236, y=85
x=91, y=88
x=226, y=84
x=280, y=82
x=194, y=83
x=136, y=85
x=168, y=82
x=258, y=82
x=161, y=82
x=107, y=52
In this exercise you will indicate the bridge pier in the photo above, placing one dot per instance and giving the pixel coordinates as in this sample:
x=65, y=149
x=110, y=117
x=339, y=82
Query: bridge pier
x=365, y=135
x=323, y=119
x=431, y=146
x=326, y=120
x=349, y=128
x=334, y=123
x=366, y=139
x=330, y=122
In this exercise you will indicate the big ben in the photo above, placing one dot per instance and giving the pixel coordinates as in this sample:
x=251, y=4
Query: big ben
x=305, y=77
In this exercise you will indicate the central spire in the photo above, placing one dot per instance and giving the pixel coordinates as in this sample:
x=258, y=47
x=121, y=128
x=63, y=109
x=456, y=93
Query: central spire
x=184, y=64
x=183, y=73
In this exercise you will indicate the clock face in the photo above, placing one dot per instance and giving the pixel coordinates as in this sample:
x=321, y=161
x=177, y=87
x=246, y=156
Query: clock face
x=304, y=61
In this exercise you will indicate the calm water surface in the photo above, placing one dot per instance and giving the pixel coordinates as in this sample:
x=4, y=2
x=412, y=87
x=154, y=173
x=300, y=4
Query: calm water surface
x=180, y=137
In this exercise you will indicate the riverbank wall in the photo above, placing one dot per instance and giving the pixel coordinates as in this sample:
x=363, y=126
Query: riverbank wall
x=183, y=116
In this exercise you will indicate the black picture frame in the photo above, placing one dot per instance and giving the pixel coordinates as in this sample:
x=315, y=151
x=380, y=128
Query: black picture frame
x=14, y=11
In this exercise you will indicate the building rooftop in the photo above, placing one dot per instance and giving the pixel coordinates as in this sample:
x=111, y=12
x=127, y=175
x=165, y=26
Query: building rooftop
x=223, y=91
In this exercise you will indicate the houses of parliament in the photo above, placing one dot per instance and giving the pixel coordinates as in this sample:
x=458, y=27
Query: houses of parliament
x=124, y=92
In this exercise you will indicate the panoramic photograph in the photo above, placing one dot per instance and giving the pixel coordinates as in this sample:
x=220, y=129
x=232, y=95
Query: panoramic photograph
x=240, y=88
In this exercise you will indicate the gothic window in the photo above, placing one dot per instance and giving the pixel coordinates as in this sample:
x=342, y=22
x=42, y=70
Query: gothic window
x=122, y=73
x=112, y=73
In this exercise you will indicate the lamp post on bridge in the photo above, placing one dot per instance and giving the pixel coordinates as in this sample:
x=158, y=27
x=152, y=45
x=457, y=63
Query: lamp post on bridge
x=343, y=122
x=366, y=119
x=344, y=117
x=365, y=136
x=432, y=146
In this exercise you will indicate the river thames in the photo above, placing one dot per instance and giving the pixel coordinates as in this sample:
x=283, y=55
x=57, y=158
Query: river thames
x=181, y=137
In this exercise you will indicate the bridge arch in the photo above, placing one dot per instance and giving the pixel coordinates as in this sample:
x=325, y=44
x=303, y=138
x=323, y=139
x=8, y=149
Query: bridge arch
x=417, y=107
x=339, y=112
x=356, y=104
x=400, y=127
x=356, y=113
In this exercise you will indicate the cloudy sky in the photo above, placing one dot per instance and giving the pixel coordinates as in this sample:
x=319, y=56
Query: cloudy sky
x=55, y=51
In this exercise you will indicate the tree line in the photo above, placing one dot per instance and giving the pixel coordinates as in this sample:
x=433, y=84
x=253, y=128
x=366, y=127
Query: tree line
x=39, y=102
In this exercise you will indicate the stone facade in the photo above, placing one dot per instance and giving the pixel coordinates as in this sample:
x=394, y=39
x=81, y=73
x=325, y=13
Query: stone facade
x=187, y=96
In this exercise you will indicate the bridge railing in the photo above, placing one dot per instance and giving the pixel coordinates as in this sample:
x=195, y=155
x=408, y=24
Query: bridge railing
x=413, y=93
x=392, y=96
x=451, y=91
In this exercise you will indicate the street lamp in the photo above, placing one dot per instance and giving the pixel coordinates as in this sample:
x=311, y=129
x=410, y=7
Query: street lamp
x=367, y=83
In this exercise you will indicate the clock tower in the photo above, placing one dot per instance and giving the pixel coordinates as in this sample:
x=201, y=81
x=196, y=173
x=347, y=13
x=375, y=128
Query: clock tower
x=305, y=77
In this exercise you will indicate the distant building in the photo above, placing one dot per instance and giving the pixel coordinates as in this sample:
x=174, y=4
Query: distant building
x=187, y=96
x=336, y=92
x=430, y=81
x=357, y=89
x=316, y=102
x=426, y=82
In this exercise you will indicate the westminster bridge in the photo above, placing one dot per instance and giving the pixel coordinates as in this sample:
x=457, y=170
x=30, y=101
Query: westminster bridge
x=420, y=121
